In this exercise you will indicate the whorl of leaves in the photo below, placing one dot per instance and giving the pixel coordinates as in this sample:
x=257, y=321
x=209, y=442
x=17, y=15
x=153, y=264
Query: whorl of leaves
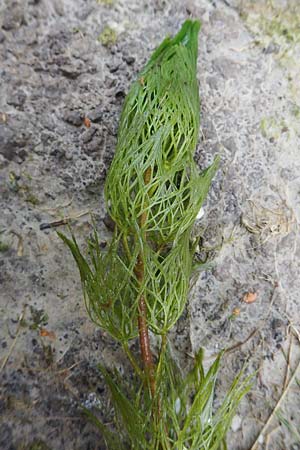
x=154, y=192
x=108, y=287
x=153, y=174
x=188, y=420
x=154, y=189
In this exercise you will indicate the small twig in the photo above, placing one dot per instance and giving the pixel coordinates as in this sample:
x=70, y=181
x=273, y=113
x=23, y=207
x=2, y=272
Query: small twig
x=56, y=208
x=67, y=369
x=287, y=370
x=4, y=362
x=294, y=331
x=239, y=344
x=57, y=223
x=20, y=248
x=278, y=404
x=229, y=349
x=268, y=438
x=65, y=221
x=132, y=360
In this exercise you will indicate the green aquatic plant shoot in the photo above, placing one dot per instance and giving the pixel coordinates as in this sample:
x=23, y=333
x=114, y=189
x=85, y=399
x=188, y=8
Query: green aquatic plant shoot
x=139, y=284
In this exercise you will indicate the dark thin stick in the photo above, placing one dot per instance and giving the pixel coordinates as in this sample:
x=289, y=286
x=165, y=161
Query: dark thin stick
x=57, y=223
x=65, y=221
x=239, y=344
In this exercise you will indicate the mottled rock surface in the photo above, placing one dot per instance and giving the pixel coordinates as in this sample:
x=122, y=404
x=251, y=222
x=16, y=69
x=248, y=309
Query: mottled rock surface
x=64, y=61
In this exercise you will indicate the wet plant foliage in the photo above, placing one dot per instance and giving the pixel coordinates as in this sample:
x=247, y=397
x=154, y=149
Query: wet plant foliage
x=140, y=281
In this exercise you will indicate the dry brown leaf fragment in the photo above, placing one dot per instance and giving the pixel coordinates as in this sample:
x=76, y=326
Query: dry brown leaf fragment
x=87, y=122
x=249, y=297
x=236, y=312
x=46, y=333
x=3, y=117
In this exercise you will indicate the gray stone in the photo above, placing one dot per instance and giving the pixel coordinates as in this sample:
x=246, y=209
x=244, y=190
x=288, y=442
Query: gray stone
x=236, y=423
x=272, y=48
x=14, y=137
x=225, y=67
x=74, y=118
x=13, y=16
x=71, y=70
x=17, y=99
x=54, y=73
x=96, y=114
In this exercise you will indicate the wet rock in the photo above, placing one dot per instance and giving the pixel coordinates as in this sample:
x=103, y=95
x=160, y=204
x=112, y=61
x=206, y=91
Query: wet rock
x=114, y=65
x=88, y=135
x=94, y=145
x=208, y=130
x=13, y=16
x=236, y=423
x=295, y=446
x=96, y=114
x=5, y=437
x=225, y=67
x=59, y=7
x=120, y=95
x=110, y=82
x=84, y=12
x=213, y=82
x=58, y=152
x=17, y=99
x=52, y=61
x=74, y=118
x=230, y=145
x=129, y=59
x=14, y=137
x=277, y=323
x=272, y=48
x=71, y=71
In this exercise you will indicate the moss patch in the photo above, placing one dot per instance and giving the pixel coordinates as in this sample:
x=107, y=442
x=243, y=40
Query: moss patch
x=276, y=29
x=4, y=247
x=106, y=2
x=273, y=128
x=274, y=24
x=108, y=37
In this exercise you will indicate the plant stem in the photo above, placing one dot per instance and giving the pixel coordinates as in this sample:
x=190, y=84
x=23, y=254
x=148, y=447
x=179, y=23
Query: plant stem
x=142, y=307
x=142, y=325
x=133, y=360
x=143, y=330
x=163, y=347
x=277, y=406
x=164, y=441
x=126, y=247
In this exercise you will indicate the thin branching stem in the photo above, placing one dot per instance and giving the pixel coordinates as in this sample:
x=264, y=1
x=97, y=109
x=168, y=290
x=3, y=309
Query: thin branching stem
x=162, y=354
x=126, y=247
x=133, y=360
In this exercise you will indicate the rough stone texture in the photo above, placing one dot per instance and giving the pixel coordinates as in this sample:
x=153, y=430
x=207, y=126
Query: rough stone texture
x=54, y=73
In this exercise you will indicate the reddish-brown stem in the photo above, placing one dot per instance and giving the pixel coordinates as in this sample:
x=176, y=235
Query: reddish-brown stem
x=142, y=309
x=145, y=345
x=143, y=330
